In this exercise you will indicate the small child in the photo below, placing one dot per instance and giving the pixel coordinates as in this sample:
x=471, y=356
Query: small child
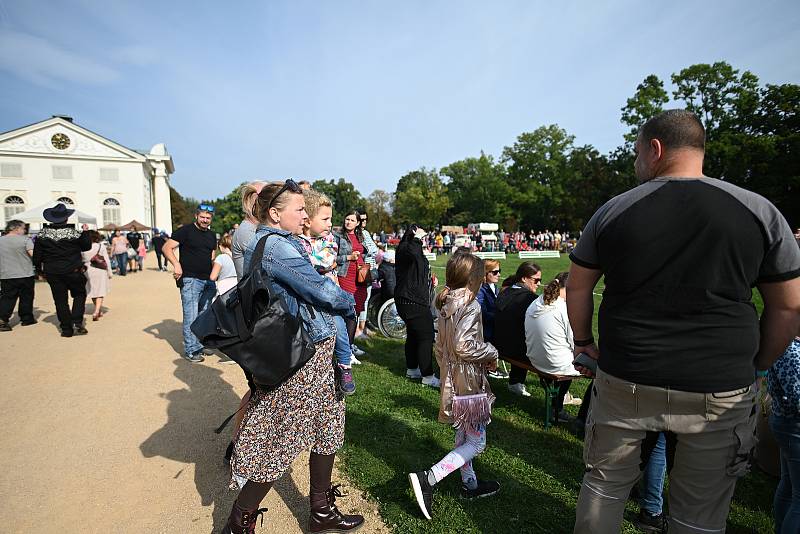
x=466, y=399
x=322, y=249
x=141, y=254
x=223, y=272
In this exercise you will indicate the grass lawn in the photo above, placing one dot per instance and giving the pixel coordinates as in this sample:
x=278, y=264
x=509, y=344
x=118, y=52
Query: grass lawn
x=392, y=430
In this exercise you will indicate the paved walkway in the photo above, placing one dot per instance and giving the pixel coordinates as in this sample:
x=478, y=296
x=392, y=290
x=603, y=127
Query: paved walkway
x=113, y=431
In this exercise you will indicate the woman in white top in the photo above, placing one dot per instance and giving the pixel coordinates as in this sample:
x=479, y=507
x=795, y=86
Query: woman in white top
x=548, y=338
x=223, y=272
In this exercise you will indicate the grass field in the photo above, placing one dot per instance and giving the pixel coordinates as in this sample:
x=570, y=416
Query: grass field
x=392, y=430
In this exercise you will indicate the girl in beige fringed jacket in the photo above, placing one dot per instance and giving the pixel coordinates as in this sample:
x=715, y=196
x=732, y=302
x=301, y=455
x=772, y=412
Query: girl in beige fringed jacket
x=466, y=399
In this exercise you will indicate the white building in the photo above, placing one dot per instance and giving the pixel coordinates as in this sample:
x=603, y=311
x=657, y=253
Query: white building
x=58, y=160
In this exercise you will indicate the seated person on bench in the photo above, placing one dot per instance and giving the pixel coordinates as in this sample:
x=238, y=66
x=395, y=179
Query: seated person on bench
x=548, y=337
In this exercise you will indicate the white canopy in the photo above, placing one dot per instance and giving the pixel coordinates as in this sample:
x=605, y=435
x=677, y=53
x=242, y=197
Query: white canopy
x=34, y=215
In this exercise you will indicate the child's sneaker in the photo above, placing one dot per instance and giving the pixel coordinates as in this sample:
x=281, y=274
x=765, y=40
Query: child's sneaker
x=485, y=488
x=354, y=360
x=423, y=491
x=358, y=352
x=346, y=381
x=413, y=373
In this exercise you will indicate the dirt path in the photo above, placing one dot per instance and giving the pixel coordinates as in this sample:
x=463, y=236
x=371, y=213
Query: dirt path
x=113, y=431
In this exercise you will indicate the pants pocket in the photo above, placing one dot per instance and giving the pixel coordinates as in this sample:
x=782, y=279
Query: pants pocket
x=745, y=443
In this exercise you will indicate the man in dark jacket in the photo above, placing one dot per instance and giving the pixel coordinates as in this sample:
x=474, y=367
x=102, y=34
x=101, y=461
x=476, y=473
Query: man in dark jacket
x=57, y=255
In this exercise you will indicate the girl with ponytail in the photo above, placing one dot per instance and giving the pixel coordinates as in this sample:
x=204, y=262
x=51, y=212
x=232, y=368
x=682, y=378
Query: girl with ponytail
x=465, y=399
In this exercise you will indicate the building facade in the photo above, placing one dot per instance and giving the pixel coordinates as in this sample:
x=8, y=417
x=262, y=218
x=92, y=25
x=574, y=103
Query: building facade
x=57, y=159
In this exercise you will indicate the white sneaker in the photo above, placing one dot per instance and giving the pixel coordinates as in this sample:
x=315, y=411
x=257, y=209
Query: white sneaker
x=572, y=401
x=431, y=381
x=357, y=351
x=354, y=360
x=518, y=389
x=413, y=373
x=362, y=335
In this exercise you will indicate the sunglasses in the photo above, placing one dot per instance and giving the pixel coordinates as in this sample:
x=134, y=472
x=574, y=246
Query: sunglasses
x=206, y=207
x=537, y=280
x=496, y=271
x=288, y=185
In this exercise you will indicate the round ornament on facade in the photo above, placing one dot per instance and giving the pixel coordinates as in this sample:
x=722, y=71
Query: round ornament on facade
x=60, y=141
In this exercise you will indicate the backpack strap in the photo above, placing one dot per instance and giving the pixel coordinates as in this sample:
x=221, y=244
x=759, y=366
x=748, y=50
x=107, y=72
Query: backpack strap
x=258, y=253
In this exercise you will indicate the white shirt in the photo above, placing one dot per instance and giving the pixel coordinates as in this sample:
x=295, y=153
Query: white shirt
x=548, y=337
x=227, y=274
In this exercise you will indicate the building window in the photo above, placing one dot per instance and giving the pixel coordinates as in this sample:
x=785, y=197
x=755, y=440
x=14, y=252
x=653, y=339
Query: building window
x=13, y=205
x=66, y=200
x=109, y=175
x=11, y=170
x=62, y=172
x=111, y=212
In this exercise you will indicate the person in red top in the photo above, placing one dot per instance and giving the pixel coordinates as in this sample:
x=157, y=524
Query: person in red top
x=349, y=259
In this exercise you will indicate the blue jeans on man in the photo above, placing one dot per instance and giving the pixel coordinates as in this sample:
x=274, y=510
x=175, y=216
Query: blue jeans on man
x=787, y=495
x=196, y=295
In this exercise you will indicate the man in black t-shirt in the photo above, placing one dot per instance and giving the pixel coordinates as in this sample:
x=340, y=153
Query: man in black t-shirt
x=159, y=240
x=197, y=244
x=680, y=340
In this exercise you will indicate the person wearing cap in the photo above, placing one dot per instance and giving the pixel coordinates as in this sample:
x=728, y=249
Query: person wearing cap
x=159, y=240
x=16, y=275
x=192, y=273
x=57, y=255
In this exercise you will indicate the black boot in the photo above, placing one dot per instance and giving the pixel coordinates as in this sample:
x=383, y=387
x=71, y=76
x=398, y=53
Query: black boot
x=326, y=517
x=243, y=521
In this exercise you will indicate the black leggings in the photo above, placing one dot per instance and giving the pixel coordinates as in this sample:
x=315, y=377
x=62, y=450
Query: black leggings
x=419, y=336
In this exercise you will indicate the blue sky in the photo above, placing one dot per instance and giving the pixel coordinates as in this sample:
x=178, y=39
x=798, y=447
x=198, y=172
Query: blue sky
x=363, y=90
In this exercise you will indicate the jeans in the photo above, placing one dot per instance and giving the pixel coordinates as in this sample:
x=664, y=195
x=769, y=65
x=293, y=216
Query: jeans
x=159, y=254
x=470, y=442
x=652, y=485
x=419, y=336
x=342, y=349
x=12, y=289
x=196, y=295
x=60, y=285
x=787, y=495
x=122, y=263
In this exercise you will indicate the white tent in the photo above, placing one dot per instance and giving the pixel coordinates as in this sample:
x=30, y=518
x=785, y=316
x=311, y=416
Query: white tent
x=34, y=215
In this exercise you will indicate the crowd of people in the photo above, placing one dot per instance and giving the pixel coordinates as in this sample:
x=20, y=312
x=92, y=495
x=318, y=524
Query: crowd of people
x=674, y=373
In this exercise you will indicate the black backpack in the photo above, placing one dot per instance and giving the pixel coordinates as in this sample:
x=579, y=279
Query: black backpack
x=253, y=327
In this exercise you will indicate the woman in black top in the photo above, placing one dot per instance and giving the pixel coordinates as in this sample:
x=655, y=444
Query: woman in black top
x=413, y=300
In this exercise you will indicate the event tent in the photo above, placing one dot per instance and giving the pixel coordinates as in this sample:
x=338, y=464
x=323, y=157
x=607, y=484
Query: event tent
x=34, y=215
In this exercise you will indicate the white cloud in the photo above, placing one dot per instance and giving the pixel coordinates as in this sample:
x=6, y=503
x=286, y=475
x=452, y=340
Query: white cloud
x=42, y=62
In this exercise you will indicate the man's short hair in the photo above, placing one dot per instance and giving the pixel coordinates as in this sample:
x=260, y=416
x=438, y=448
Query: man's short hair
x=13, y=225
x=675, y=128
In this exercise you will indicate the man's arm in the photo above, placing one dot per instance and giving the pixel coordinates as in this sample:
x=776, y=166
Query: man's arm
x=780, y=320
x=169, y=253
x=580, y=305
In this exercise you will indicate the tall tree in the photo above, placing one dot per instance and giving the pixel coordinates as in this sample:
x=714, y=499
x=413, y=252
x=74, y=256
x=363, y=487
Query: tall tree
x=379, y=208
x=421, y=198
x=479, y=191
x=344, y=196
x=227, y=211
x=182, y=208
x=647, y=102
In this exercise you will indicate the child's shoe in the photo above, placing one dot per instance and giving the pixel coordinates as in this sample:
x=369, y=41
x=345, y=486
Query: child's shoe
x=485, y=488
x=423, y=491
x=346, y=381
x=413, y=373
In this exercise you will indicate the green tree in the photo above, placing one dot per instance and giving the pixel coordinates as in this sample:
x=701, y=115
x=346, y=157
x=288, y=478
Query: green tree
x=421, y=198
x=344, y=196
x=182, y=208
x=379, y=208
x=479, y=191
x=647, y=102
x=227, y=211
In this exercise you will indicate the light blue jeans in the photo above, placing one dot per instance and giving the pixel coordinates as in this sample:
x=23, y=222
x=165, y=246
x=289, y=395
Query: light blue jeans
x=651, y=490
x=196, y=295
x=342, y=349
x=787, y=495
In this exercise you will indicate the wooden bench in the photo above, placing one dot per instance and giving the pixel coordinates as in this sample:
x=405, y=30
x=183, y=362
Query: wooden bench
x=550, y=386
x=491, y=255
x=529, y=254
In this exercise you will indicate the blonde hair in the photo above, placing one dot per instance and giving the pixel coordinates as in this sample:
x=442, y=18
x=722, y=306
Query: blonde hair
x=551, y=290
x=489, y=266
x=262, y=206
x=249, y=192
x=463, y=270
x=225, y=241
x=314, y=201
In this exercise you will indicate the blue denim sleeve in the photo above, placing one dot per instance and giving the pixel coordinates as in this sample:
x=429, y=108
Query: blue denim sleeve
x=288, y=267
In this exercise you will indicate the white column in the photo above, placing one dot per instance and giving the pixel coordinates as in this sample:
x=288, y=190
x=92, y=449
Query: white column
x=161, y=196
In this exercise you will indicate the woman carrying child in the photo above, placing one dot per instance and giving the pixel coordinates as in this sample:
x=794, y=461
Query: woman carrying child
x=466, y=399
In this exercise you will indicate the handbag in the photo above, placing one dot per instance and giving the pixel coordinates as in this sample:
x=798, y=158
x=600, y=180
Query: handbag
x=97, y=261
x=252, y=325
x=131, y=252
x=364, y=276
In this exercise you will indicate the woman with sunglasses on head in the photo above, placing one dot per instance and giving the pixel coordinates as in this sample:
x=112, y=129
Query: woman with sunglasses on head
x=519, y=291
x=350, y=259
x=304, y=411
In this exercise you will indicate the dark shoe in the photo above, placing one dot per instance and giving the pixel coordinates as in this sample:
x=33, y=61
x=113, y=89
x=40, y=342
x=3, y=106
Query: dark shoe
x=346, y=381
x=423, y=491
x=565, y=417
x=486, y=488
x=194, y=358
x=5, y=327
x=80, y=330
x=28, y=323
x=649, y=522
x=243, y=521
x=328, y=518
x=67, y=333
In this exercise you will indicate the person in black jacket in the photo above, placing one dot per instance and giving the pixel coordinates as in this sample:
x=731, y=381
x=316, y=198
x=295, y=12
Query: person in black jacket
x=57, y=254
x=509, y=321
x=387, y=276
x=159, y=240
x=413, y=295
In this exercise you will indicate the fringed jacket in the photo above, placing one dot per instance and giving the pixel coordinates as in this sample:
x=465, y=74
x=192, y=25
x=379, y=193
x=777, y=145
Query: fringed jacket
x=461, y=352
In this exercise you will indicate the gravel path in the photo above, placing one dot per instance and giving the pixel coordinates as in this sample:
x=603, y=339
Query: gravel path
x=113, y=431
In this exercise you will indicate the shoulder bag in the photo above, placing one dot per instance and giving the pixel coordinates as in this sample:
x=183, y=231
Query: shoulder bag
x=98, y=261
x=252, y=326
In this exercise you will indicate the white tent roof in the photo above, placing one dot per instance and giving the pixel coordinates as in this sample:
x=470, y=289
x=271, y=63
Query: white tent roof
x=34, y=215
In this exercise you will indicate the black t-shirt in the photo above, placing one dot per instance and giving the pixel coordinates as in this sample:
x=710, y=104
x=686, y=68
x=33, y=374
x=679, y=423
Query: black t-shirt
x=195, y=250
x=133, y=239
x=680, y=259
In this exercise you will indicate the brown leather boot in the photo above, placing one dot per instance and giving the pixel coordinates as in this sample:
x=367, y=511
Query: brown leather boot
x=326, y=517
x=243, y=521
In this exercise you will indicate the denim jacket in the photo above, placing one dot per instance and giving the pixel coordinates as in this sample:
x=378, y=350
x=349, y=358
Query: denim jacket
x=293, y=277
